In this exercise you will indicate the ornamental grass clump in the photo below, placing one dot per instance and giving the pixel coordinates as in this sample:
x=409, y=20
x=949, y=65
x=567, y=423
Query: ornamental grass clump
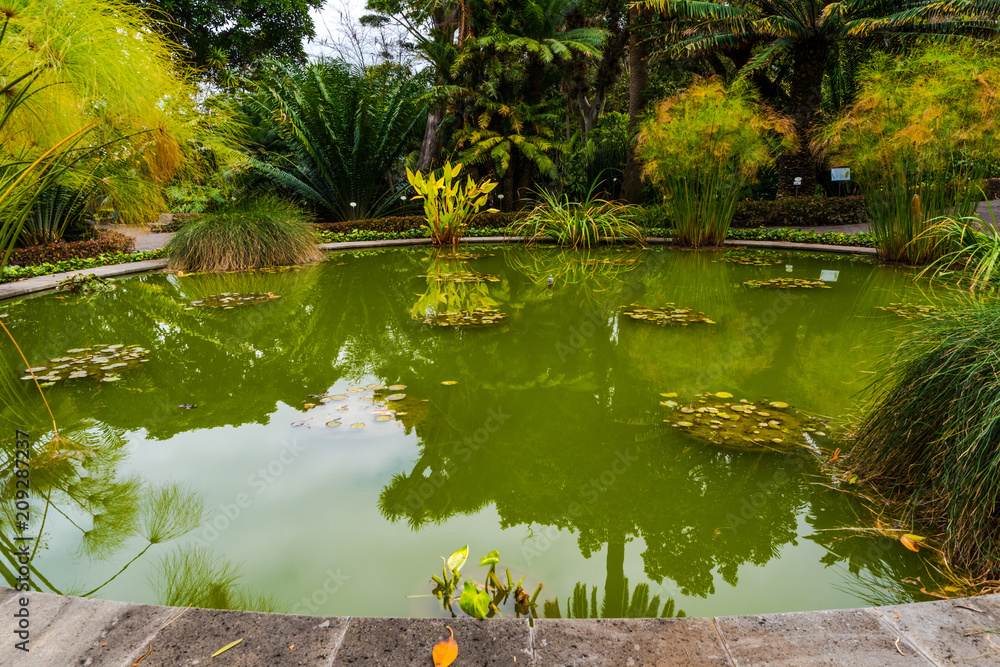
x=931, y=433
x=701, y=148
x=266, y=231
x=580, y=224
x=919, y=140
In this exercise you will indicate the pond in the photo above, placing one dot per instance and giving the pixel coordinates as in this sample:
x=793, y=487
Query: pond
x=360, y=418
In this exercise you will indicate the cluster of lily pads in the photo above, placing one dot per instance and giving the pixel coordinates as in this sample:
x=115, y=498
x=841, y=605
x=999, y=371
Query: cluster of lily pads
x=228, y=300
x=664, y=315
x=788, y=283
x=912, y=310
x=751, y=257
x=463, y=277
x=101, y=362
x=744, y=425
x=477, y=317
x=381, y=402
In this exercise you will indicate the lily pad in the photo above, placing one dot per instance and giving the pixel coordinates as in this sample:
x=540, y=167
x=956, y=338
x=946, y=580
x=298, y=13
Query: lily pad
x=358, y=425
x=231, y=299
x=335, y=422
x=383, y=418
x=788, y=283
x=395, y=397
x=101, y=362
x=449, y=382
x=463, y=277
x=752, y=257
x=338, y=397
x=477, y=317
x=666, y=315
x=741, y=427
x=397, y=387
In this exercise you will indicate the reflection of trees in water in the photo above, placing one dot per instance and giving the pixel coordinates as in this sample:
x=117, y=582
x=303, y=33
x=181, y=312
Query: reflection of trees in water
x=615, y=603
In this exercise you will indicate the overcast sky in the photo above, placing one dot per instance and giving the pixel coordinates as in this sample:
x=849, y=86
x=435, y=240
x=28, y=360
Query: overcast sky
x=328, y=23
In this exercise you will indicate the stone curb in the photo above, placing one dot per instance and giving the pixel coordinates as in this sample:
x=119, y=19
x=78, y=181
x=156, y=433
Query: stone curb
x=20, y=288
x=102, y=633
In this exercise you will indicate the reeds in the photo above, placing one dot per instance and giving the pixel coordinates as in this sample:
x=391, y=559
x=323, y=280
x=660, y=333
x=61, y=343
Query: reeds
x=931, y=432
x=266, y=231
x=967, y=247
x=579, y=225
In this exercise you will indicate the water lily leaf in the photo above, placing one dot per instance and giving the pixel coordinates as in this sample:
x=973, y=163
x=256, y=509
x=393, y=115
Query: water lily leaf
x=723, y=394
x=778, y=404
x=375, y=386
x=457, y=559
x=449, y=382
x=665, y=315
x=670, y=394
x=395, y=397
x=335, y=422
x=474, y=602
x=397, y=387
x=383, y=418
x=788, y=283
x=358, y=425
x=356, y=390
x=338, y=397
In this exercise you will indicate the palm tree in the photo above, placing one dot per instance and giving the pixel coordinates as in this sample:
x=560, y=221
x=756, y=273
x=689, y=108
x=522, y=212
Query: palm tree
x=796, y=39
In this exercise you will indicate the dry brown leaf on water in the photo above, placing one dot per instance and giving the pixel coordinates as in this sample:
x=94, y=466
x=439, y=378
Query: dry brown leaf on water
x=836, y=455
x=909, y=543
x=446, y=651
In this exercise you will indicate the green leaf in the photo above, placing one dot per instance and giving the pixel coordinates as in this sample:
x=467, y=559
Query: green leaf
x=457, y=559
x=492, y=558
x=474, y=602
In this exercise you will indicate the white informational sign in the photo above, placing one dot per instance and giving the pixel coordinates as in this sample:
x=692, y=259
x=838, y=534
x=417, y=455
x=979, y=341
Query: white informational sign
x=840, y=174
x=829, y=276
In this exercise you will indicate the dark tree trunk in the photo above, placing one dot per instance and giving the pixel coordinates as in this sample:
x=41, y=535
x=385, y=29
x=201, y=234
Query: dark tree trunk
x=805, y=98
x=615, y=604
x=430, y=149
x=638, y=77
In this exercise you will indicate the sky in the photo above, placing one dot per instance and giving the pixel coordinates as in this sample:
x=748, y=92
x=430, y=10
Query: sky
x=328, y=23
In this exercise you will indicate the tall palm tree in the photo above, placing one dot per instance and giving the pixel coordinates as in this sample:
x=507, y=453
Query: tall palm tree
x=796, y=37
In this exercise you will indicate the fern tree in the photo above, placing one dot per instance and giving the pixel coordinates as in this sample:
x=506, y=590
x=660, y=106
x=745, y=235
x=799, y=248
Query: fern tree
x=347, y=131
x=796, y=37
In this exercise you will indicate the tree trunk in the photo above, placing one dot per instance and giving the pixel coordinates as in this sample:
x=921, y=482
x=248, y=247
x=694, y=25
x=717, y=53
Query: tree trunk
x=638, y=77
x=805, y=98
x=430, y=150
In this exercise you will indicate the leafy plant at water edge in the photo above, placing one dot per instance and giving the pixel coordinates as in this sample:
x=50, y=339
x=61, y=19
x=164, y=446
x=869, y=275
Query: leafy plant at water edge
x=449, y=205
x=580, y=224
x=918, y=138
x=971, y=248
x=701, y=147
x=929, y=432
x=266, y=231
x=84, y=283
x=477, y=600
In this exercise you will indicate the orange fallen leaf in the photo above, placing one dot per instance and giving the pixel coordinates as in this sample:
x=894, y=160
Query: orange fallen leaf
x=445, y=652
x=909, y=543
x=934, y=595
x=292, y=646
x=836, y=455
x=136, y=663
x=104, y=644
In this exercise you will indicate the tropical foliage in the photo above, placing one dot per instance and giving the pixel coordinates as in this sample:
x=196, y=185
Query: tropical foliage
x=919, y=137
x=448, y=203
x=347, y=131
x=701, y=147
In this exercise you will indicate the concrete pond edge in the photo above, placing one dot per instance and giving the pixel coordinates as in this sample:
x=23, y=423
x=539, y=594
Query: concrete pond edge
x=19, y=288
x=64, y=630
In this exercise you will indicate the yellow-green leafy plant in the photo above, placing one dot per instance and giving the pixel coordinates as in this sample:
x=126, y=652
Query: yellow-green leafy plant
x=701, y=148
x=578, y=224
x=919, y=139
x=448, y=203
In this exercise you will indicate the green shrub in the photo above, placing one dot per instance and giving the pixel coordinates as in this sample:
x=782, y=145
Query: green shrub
x=577, y=224
x=930, y=432
x=801, y=212
x=12, y=273
x=266, y=231
x=106, y=242
x=701, y=147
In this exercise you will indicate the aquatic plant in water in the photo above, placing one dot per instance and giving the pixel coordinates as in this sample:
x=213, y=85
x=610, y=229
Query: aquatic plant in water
x=912, y=310
x=744, y=426
x=232, y=299
x=665, y=315
x=485, y=600
x=101, y=362
x=787, y=283
x=82, y=284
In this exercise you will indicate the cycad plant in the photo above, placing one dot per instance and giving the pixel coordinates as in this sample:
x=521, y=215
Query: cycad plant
x=347, y=131
x=701, y=147
x=917, y=140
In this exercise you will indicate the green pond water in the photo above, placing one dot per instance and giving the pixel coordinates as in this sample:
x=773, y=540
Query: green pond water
x=548, y=443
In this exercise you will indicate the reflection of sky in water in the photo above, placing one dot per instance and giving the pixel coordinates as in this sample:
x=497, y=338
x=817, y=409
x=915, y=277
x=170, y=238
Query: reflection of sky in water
x=315, y=514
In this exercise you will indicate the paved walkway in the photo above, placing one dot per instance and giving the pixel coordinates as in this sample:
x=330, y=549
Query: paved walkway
x=66, y=631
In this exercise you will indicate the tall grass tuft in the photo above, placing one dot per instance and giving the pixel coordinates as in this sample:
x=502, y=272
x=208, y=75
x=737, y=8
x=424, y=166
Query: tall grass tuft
x=701, y=148
x=968, y=248
x=931, y=432
x=581, y=224
x=919, y=140
x=266, y=231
